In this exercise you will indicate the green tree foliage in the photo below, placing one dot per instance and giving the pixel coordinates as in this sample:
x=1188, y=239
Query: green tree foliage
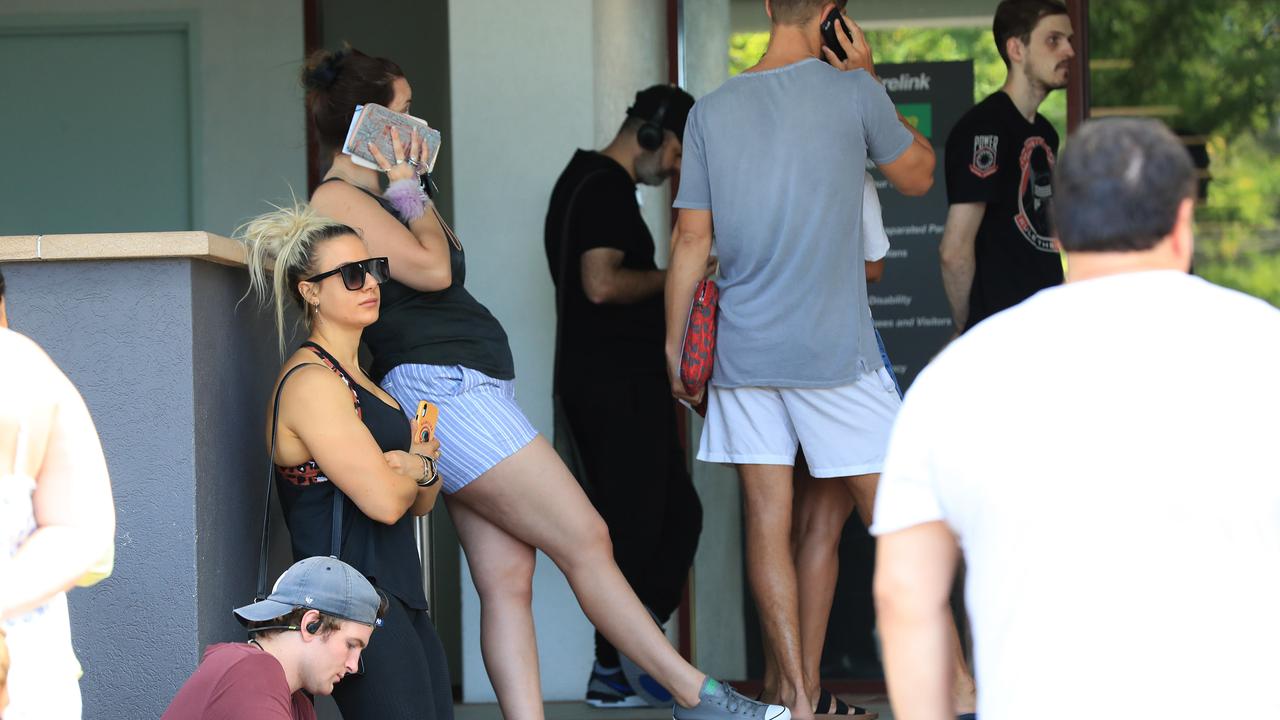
x=1211, y=70
x=1216, y=61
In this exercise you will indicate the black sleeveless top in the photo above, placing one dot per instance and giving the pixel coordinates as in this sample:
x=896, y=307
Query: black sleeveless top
x=386, y=554
x=444, y=327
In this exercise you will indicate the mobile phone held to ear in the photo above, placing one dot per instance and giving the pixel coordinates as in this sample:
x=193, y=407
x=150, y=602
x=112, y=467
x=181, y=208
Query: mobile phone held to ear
x=372, y=123
x=829, y=31
x=424, y=424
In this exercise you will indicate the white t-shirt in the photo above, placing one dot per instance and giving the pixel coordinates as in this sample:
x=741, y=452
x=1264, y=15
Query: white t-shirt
x=875, y=242
x=1108, y=455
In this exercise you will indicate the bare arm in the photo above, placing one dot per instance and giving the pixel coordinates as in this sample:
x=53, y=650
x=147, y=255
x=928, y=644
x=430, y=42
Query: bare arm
x=914, y=571
x=75, y=517
x=604, y=280
x=875, y=270
x=912, y=172
x=418, y=255
x=690, y=251
x=957, y=255
x=316, y=409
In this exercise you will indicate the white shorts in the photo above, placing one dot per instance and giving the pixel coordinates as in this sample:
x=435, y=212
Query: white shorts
x=843, y=430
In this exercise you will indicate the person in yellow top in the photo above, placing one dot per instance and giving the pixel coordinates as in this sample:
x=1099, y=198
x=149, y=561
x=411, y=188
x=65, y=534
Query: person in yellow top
x=56, y=523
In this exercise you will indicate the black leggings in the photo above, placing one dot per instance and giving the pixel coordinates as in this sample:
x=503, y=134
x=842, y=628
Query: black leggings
x=626, y=432
x=406, y=676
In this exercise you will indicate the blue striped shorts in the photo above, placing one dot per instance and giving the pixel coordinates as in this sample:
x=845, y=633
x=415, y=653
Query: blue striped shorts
x=480, y=423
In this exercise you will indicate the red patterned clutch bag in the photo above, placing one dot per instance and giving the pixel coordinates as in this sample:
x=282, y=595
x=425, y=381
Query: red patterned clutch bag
x=698, y=352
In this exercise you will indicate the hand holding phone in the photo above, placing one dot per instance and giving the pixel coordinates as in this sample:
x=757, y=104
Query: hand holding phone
x=372, y=123
x=424, y=424
x=829, y=37
x=844, y=45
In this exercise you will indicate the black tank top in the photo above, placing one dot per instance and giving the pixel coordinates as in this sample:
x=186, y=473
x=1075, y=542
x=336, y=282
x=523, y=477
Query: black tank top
x=444, y=327
x=386, y=554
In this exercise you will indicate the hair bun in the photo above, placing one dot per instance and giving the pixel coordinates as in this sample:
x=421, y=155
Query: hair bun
x=323, y=69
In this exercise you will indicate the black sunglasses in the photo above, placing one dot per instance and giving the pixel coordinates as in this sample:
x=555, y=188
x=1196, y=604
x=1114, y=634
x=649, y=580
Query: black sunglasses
x=353, y=272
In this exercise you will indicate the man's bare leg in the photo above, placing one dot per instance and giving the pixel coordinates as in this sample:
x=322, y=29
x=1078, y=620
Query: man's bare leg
x=767, y=493
x=821, y=509
x=964, y=691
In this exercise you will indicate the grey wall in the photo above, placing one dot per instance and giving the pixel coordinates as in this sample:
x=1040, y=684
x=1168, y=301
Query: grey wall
x=77, y=107
x=233, y=369
x=185, y=459
x=248, y=135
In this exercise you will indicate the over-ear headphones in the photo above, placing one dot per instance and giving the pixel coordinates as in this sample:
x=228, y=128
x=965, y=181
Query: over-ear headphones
x=650, y=135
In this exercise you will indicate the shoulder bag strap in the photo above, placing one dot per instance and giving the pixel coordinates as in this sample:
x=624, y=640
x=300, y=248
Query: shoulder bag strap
x=335, y=525
x=261, y=593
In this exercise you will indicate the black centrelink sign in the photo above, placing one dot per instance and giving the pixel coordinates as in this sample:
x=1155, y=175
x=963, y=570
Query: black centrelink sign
x=907, y=82
x=909, y=305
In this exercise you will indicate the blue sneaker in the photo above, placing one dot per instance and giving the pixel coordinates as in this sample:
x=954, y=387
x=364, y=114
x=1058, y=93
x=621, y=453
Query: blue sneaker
x=649, y=691
x=641, y=682
x=610, y=689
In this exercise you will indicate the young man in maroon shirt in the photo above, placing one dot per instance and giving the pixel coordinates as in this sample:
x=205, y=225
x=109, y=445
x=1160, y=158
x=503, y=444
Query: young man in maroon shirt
x=304, y=638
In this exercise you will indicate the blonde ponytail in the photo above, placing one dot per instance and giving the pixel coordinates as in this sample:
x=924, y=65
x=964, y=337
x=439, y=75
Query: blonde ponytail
x=281, y=249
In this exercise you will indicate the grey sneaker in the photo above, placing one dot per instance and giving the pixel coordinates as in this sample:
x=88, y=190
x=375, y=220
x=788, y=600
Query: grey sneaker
x=718, y=701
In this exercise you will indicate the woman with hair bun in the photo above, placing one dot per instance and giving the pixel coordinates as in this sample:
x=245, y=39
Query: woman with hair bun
x=341, y=435
x=507, y=490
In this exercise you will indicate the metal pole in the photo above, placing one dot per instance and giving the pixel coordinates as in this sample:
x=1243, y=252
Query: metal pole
x=423, y=531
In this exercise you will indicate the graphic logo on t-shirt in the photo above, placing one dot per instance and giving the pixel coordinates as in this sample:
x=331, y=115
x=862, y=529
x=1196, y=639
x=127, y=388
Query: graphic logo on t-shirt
x=984, y=155
x=1035, y=193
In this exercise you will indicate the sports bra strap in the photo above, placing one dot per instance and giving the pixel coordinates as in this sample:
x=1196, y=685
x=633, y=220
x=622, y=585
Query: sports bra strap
x=332, y=363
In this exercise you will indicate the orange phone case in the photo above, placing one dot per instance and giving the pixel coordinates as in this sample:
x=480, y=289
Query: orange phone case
x=424, y=425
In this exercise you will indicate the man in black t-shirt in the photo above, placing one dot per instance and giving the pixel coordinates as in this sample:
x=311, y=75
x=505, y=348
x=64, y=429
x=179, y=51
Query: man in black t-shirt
x=610, y=374
x=998, y=247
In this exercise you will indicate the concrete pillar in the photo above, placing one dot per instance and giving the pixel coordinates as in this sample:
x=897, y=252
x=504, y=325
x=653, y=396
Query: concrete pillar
x=719, y=584
x=630, y=54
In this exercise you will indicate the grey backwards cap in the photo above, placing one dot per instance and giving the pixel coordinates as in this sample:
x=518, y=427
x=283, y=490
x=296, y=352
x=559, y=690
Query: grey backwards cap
x=318, y=583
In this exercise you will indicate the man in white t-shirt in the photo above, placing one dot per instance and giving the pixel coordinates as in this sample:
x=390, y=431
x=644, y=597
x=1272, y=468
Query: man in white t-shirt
x=1107, y=457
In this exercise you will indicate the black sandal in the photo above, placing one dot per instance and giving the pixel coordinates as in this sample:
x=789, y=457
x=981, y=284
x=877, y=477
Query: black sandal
x=829, y=704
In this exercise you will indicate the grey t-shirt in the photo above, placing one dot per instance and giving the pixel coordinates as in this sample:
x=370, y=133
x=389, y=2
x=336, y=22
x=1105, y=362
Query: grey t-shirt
x=778, y=158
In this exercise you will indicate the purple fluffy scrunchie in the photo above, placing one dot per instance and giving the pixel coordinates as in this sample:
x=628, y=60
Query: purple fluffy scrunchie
x=407, y=197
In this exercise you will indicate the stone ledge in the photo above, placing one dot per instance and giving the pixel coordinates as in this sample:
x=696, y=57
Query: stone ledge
x=122, y=246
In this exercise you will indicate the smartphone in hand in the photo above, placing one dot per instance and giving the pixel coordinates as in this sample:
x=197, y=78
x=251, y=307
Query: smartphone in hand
x=829, y=37
x=372, y=123
x=424, y=424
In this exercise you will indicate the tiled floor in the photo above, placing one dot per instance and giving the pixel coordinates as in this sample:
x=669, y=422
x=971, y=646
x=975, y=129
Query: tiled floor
x=583, y=711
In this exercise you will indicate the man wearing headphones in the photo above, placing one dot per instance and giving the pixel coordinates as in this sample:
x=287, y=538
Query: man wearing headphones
x=303, y=639
x=610, y=377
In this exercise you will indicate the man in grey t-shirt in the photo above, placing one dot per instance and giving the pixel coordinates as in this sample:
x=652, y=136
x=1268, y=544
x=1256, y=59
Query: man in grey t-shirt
x=773, y=162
